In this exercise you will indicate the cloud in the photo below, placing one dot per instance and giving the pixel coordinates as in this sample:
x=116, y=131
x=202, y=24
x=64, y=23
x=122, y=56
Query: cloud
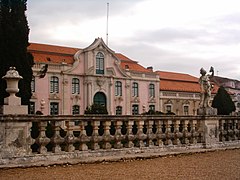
x=179, y=39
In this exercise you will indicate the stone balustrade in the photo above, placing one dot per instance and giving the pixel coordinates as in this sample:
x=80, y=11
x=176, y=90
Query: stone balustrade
x=114, y=132
x=50, y=138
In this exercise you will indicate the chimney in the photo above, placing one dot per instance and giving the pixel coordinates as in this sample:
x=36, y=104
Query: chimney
x=150, y=68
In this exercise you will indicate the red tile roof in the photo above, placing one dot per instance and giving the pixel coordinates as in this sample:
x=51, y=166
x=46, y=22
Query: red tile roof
x=172, y=81
x=177, y=76
x=44, y=53
x=127, y=63
x=52, y=48
x=169, y=85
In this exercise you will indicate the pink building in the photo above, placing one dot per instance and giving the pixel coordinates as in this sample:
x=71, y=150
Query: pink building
x=77, y=78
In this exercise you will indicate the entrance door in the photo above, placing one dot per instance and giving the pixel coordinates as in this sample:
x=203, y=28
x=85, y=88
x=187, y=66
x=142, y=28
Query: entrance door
x=100, y=98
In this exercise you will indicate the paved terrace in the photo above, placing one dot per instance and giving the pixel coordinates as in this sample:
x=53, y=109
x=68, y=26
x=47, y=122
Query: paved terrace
x=217, y=164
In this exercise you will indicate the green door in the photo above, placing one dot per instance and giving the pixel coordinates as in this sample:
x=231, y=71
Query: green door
x=100, y=98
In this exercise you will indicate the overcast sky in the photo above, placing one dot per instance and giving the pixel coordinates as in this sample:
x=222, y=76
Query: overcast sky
x=170, y=35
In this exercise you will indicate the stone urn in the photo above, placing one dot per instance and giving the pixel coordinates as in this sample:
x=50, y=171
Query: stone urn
x=12, y=77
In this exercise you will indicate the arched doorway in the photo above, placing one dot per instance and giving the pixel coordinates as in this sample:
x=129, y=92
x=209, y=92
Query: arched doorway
x=100, y=98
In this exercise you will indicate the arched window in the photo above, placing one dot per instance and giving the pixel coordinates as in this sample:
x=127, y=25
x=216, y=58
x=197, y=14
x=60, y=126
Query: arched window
x=100, y=98
x=54, y=84
x=151, y=90
x=75, y=86
x=118, y=88
x=99, y=63
x=135, y=89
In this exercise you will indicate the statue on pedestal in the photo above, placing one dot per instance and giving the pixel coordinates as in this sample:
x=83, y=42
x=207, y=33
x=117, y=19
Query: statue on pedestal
x=206, y=87
x=205, y=94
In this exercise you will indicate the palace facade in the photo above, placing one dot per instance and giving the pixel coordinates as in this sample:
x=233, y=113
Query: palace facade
x=77, y=78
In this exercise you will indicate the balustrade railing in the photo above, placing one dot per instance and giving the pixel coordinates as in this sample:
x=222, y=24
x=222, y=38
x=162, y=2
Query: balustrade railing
x=229, y=128
x=59, y=133
x=37, y=138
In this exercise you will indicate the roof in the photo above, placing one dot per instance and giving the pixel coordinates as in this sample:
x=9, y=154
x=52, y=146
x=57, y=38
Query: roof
x=169, y=85
x=52, y=49
x=176, y=76
x=124, y=58
x=44, y=53
x=172, y=81
x=127, y=63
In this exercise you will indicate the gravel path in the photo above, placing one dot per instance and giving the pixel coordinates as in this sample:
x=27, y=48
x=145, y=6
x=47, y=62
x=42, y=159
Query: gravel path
x=219, y=165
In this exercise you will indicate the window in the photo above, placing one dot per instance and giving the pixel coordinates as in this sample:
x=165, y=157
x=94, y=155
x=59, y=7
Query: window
x=152, y=107
x=75, y=86
x=54, y=84
x=75, y=109
x=169, y=108
x=33, y=84
x=118, y=88
x=54, y=108
x=31, y=108
x=135, y=109
x=135, y=89
x=100, y=63
x=119, y=110
x=151, y=90
x=186, y=110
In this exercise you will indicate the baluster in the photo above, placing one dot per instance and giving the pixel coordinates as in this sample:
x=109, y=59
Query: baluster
x=95, y=136
x=118, y=135
x=42, y=140
x=83, y=138
x=222, y=130
x=130, y=136
x=56, y=139
x=235, y=131
x=229, y=130
x=238, y=128
x=107, y=136
x=150, y=135
x=159, y=133
x=194, y=136
x=70, y=139
x=140, y=135
x=177, y=134
x=185, y=132
x=168, y=132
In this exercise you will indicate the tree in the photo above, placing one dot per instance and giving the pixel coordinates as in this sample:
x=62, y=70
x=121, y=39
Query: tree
x=14, y=33
x=223, y=102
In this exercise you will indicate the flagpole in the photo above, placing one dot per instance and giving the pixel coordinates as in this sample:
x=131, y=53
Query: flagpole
x=107, y=24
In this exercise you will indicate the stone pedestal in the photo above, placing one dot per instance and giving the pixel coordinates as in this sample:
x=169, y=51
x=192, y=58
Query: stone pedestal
x=12, y=104
x=15, y=138
x=211, y=133
x=207, y=111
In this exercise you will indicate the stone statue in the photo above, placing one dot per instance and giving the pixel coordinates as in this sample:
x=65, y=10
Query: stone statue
x=206, y=87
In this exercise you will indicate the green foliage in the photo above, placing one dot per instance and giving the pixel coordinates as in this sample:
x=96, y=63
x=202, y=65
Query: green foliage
x=96, y=109
x=14, y=33
x=152, y=112
x=223, y=102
